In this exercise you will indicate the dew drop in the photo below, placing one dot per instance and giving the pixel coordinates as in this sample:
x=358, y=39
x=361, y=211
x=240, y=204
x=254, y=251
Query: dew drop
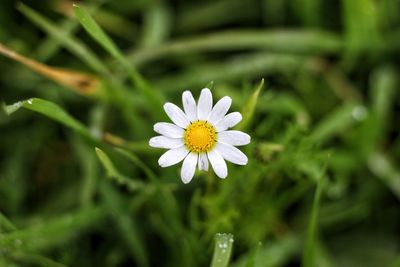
x=359, y=113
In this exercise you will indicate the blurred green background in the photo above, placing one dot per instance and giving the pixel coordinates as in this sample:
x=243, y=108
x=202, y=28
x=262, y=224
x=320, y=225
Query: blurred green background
x=322, y=186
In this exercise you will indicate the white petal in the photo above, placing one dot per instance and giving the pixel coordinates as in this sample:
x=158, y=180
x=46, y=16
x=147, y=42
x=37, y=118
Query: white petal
x=218, y=163
x=168, y=129
x=234, y=138
x=231, y=153
x=165, y=142
x=228, y=121
x=204, y=105
x=188, y=167
x=203, y=162
x=189, y=105
x=176, y=115
x=173, y=156
x=220, y=109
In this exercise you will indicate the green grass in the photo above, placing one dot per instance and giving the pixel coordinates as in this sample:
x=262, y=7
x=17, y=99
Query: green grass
x=317, y=85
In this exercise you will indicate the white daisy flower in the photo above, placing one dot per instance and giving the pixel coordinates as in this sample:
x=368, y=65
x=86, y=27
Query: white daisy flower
x=200, y=134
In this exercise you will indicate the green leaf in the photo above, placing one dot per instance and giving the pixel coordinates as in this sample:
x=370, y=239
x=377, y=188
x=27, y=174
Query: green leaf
x=50, y=110
x=222, y=250
x=250, y=107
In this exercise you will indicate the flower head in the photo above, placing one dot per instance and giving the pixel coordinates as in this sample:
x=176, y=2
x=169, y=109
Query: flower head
x=199, y=135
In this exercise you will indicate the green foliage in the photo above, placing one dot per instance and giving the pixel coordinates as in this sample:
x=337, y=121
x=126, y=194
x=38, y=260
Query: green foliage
x=80, y=186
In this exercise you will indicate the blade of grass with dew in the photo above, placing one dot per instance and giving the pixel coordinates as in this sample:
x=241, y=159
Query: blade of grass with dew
x=153, y=97
x=308, y=259
x=50, y=110
x=51, y=232
x=126, y=224
x=307, y=42
x=71, y=43
x=250, y=107
x=56, y=113
x=114, y=174
x=222, y=250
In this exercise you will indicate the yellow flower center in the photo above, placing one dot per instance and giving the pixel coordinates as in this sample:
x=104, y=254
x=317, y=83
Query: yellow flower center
x=200, y=136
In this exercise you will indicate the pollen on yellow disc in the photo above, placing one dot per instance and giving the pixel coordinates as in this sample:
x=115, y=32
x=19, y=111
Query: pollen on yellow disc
x=200, y=136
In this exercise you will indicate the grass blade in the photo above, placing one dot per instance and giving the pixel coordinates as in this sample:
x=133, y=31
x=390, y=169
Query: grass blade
x=50, y=110
x=114, y=174
x=247, y=66
x=222, y=250
x=301, y=42
x=308, y=259
x=127, y=226
x=79, y=82
x=386, y=170
x=47, y=233
x=250, y=107
x=334, y=123
x=33, y=259
x=153, y=97
x=5, y=224
x=74, y=45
